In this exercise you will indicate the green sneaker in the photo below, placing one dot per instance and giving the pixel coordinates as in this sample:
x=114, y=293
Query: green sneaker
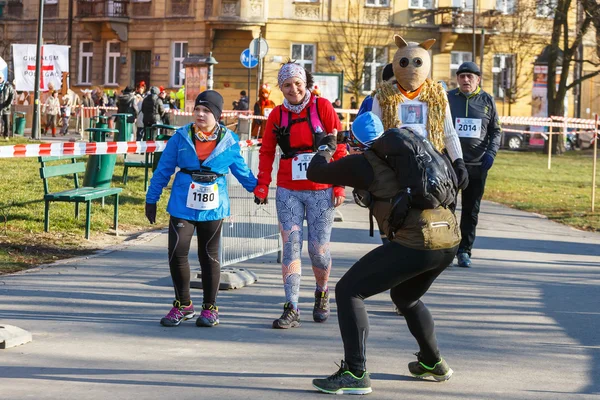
x=440, y=371
x=344, y=382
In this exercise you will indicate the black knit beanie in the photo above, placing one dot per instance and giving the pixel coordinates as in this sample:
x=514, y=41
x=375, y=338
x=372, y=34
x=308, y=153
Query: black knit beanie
x=211, y=100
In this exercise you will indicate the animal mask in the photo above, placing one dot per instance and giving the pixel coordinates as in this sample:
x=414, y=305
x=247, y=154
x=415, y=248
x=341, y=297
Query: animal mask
x=411, y=63
x=265, y=91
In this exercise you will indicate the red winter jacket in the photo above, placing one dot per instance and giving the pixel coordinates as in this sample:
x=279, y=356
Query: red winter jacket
x=300, y=137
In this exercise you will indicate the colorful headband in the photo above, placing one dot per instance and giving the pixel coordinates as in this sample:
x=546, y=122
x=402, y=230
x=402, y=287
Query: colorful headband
x=291, y=70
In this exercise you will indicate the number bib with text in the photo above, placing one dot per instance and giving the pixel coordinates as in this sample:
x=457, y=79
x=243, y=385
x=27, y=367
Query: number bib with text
x=300, y=165
x=468, y=127
x=203, y=197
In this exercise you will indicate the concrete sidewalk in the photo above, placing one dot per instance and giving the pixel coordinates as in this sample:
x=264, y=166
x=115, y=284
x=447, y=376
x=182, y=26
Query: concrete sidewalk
x=523, y=323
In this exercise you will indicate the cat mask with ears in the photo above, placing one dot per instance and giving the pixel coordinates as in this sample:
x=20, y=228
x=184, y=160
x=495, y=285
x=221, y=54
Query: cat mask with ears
x=411, y=63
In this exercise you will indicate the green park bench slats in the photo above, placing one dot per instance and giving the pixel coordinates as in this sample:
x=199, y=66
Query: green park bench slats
x=77, y=194
x=60, y=170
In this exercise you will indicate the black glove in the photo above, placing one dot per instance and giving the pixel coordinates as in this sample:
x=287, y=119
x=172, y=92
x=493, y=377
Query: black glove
x=487, y=161
x=330, y=141
x=461, y=173
x=261, y=201
x=151, y=212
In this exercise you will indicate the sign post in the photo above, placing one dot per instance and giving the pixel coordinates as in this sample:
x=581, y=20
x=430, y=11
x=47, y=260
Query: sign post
x=595, y=161
x=259, y=49
x=249, y=61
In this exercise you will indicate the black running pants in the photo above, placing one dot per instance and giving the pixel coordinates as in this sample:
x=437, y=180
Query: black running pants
x=470, y=203
x=209, y=239
x=408, y=273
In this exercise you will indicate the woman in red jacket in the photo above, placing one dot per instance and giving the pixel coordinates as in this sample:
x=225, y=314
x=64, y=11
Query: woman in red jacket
x=297, y=126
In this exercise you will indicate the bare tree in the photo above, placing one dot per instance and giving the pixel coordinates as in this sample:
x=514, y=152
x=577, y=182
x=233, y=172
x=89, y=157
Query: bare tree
x=522, y=35
x=361, y=28
x=565, y=42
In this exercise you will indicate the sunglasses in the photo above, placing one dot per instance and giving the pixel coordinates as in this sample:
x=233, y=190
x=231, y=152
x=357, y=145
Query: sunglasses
x=356, y=144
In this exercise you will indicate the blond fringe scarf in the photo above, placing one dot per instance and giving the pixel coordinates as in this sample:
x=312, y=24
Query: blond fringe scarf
x=432, y=94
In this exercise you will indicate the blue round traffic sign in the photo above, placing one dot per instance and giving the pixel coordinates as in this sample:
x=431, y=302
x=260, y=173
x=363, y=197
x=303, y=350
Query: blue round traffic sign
x=248, y=60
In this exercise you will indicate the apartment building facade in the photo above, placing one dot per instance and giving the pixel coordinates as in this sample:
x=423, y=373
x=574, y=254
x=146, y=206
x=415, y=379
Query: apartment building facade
x=115, y=43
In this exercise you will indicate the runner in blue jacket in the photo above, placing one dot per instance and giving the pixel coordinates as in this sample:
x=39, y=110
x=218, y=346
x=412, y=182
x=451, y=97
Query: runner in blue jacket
x=204, y=152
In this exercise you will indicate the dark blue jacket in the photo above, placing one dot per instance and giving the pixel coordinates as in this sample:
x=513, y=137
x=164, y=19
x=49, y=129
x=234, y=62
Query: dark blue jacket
x=478, y=104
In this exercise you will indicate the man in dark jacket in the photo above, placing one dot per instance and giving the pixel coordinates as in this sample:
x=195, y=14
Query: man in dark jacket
x=126, y=104
x=152, y=108
x=478, y=126
x=7, y=94
x=243, y=104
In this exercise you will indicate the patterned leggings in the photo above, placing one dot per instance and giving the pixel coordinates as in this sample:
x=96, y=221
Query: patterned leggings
x=292, y=207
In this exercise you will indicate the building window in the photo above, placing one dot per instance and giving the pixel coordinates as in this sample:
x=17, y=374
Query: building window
x=378, y=3
x=86, y=52
x=545, y=8
x=457, y=58
x=503, y=72
x=304, y=54
x=180, y=50
x=113, y=52
x=421, y=4
x=464, y=4
x=506, y=6
x=375, y=60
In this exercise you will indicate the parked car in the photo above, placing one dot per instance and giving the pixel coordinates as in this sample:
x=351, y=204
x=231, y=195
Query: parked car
x=521, y=141
x=583, y=139
x=515, y=140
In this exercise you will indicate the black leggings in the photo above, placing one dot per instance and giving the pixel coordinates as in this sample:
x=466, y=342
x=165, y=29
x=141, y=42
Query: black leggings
x=408, y=273
x=209, y=240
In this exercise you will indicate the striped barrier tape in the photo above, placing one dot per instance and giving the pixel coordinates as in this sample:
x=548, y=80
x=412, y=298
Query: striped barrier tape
x=91, y=148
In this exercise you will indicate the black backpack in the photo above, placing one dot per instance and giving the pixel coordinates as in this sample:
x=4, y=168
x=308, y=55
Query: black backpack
x=425, y=175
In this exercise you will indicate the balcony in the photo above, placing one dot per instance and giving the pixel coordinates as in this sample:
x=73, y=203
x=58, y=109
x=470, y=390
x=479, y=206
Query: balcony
x=102, y=9
x=459, y=20
x=235, y=11
x=97, y=14
x=13, y=9
x=181, y=8
x=141, y=9
x=50, y=11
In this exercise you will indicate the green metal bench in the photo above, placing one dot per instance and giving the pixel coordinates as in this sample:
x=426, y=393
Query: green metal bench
x=150, y=160
x=77, y=194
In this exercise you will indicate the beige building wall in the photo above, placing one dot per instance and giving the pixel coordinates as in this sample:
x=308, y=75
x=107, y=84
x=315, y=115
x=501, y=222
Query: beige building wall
x=282, y=23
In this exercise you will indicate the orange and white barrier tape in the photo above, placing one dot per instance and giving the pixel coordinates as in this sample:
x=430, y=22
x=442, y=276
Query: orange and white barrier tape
x=558, y=122
x=91, y=148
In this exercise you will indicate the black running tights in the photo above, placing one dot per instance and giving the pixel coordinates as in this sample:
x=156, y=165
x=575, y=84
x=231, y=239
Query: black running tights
x=408, y=273
x=209, y=239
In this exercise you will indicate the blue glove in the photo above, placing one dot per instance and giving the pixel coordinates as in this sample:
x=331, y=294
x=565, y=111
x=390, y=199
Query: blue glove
x=487, y=161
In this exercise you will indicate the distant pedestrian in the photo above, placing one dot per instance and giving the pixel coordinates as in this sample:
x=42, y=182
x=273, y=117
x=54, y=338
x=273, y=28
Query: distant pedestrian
x=162, y=95
x=7, y=94
x=126, y=104
x=65, y=111
x=338, y=104
x=243, y=103
x=52, y=110
x=153, y=109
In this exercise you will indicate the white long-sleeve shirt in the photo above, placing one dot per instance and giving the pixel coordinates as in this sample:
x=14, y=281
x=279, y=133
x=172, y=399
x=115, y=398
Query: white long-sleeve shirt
x=413, y=114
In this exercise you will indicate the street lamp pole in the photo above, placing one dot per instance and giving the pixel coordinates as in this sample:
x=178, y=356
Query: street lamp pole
x=474, y=30
x=211, y=61
x=35, y=134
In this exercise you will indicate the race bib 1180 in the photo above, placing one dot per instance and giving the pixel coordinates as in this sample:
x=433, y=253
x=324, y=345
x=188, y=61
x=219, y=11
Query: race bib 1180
x=203, y=197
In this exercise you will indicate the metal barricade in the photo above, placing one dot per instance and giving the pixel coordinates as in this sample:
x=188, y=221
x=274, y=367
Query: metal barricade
x=251, y=230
